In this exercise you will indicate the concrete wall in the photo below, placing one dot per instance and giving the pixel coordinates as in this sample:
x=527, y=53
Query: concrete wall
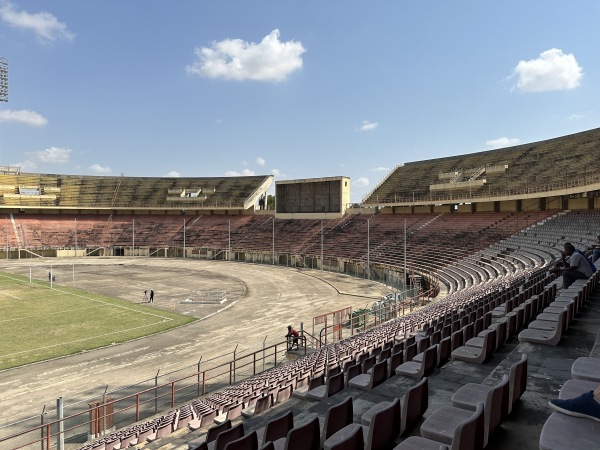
x=554, y=203
x=442, y=209
x=423, y=209
x=484, y=207
x=508, y=205
x=530, y=204
x=578, y=203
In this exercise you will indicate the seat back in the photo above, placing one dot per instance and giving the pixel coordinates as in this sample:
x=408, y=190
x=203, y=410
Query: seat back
x=262, y=404
x=436, y=337
x=337, y=417
x=335, y=384
x=227, y=436
x=414, y=405
x=384, y=427
x=457, y=339
x=517, y=380
x=213, y=432
x=354, y=441
x=267, y=446
x=429, y=360
x=396, y=360
x=398, y=347
x=246, y=442
x=444, y=350
x=304, y=437
x=283, y=394
x=501, y=333
x=369, y=362
x=385, y=354
x=235, y=411
x=279, y=427
x=468, y=331
x=489, y=343
x=333, y=371
x=498, y=404
x=353, y=371
x=423, y=344
x=316, y=381
x=302, y=381
x=469, y=434
x=379, y=373
x=411, y=351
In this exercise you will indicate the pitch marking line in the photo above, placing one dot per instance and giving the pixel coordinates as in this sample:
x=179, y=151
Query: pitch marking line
x=10, y=295
x=147, y=313
x=80, y=340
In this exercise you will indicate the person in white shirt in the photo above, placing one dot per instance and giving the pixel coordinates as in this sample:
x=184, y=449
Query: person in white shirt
x=573, y=266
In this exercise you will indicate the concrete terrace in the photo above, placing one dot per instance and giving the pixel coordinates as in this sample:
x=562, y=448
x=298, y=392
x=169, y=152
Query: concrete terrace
x=548, y=369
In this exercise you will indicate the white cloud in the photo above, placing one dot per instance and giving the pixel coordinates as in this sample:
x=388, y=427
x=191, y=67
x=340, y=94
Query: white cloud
x=502, y=142
x=52, y=155
x=361, y=182
x=368, y=126
x=243, y=173
x=552, y=71
x=44, y=24
x=576, y=116
x=26, y=166
x=278, y=173
x=97, y=168
x=173, y=174
x=235, y=59
x=381, y=169
x=23, y=116
x=260, y=161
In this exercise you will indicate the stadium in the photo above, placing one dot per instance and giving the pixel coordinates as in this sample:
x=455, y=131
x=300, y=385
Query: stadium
x=428, y=309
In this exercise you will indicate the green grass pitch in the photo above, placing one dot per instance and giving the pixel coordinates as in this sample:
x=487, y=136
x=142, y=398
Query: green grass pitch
x=38, y=323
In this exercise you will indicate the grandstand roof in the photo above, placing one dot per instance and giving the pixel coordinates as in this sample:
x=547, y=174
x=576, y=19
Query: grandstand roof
x=31, y=190
x=567, y=162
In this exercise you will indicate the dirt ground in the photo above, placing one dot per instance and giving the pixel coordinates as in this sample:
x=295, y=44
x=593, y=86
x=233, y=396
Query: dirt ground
x=261, y=302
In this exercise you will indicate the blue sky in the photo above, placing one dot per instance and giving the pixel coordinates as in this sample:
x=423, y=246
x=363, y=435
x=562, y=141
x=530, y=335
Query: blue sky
x=297, y=89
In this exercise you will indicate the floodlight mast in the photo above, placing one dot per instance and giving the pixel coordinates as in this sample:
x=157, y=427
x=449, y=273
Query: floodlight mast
x=3, y=80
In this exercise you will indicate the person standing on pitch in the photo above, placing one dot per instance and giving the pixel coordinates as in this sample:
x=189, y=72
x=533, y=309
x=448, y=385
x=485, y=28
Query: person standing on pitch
x=151, y=295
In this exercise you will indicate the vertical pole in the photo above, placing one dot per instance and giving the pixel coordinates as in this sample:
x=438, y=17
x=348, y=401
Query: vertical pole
x=229, y=242
x=405, y=288
x=273, y=249
x=321, y=244
x=156, y=392
x=199, y=379
x=43, y=429
x=184, y=238
x=75, y=237
x=60, y=437
x=133, y=239
x=234, y=361
x=264, y=344
x=369, y=247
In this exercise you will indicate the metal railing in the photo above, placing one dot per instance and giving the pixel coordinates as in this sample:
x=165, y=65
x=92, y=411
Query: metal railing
x=584, y=181
x=108, y=413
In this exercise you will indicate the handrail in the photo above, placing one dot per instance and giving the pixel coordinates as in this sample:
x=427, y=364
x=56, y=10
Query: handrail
x=467, y=196
x=134, y=402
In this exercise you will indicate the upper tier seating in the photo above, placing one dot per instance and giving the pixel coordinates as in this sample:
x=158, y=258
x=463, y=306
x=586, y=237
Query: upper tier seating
x=529, y=168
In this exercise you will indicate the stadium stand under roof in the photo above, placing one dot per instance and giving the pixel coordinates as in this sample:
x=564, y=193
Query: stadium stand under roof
x=108, y=193
x=564, y=165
